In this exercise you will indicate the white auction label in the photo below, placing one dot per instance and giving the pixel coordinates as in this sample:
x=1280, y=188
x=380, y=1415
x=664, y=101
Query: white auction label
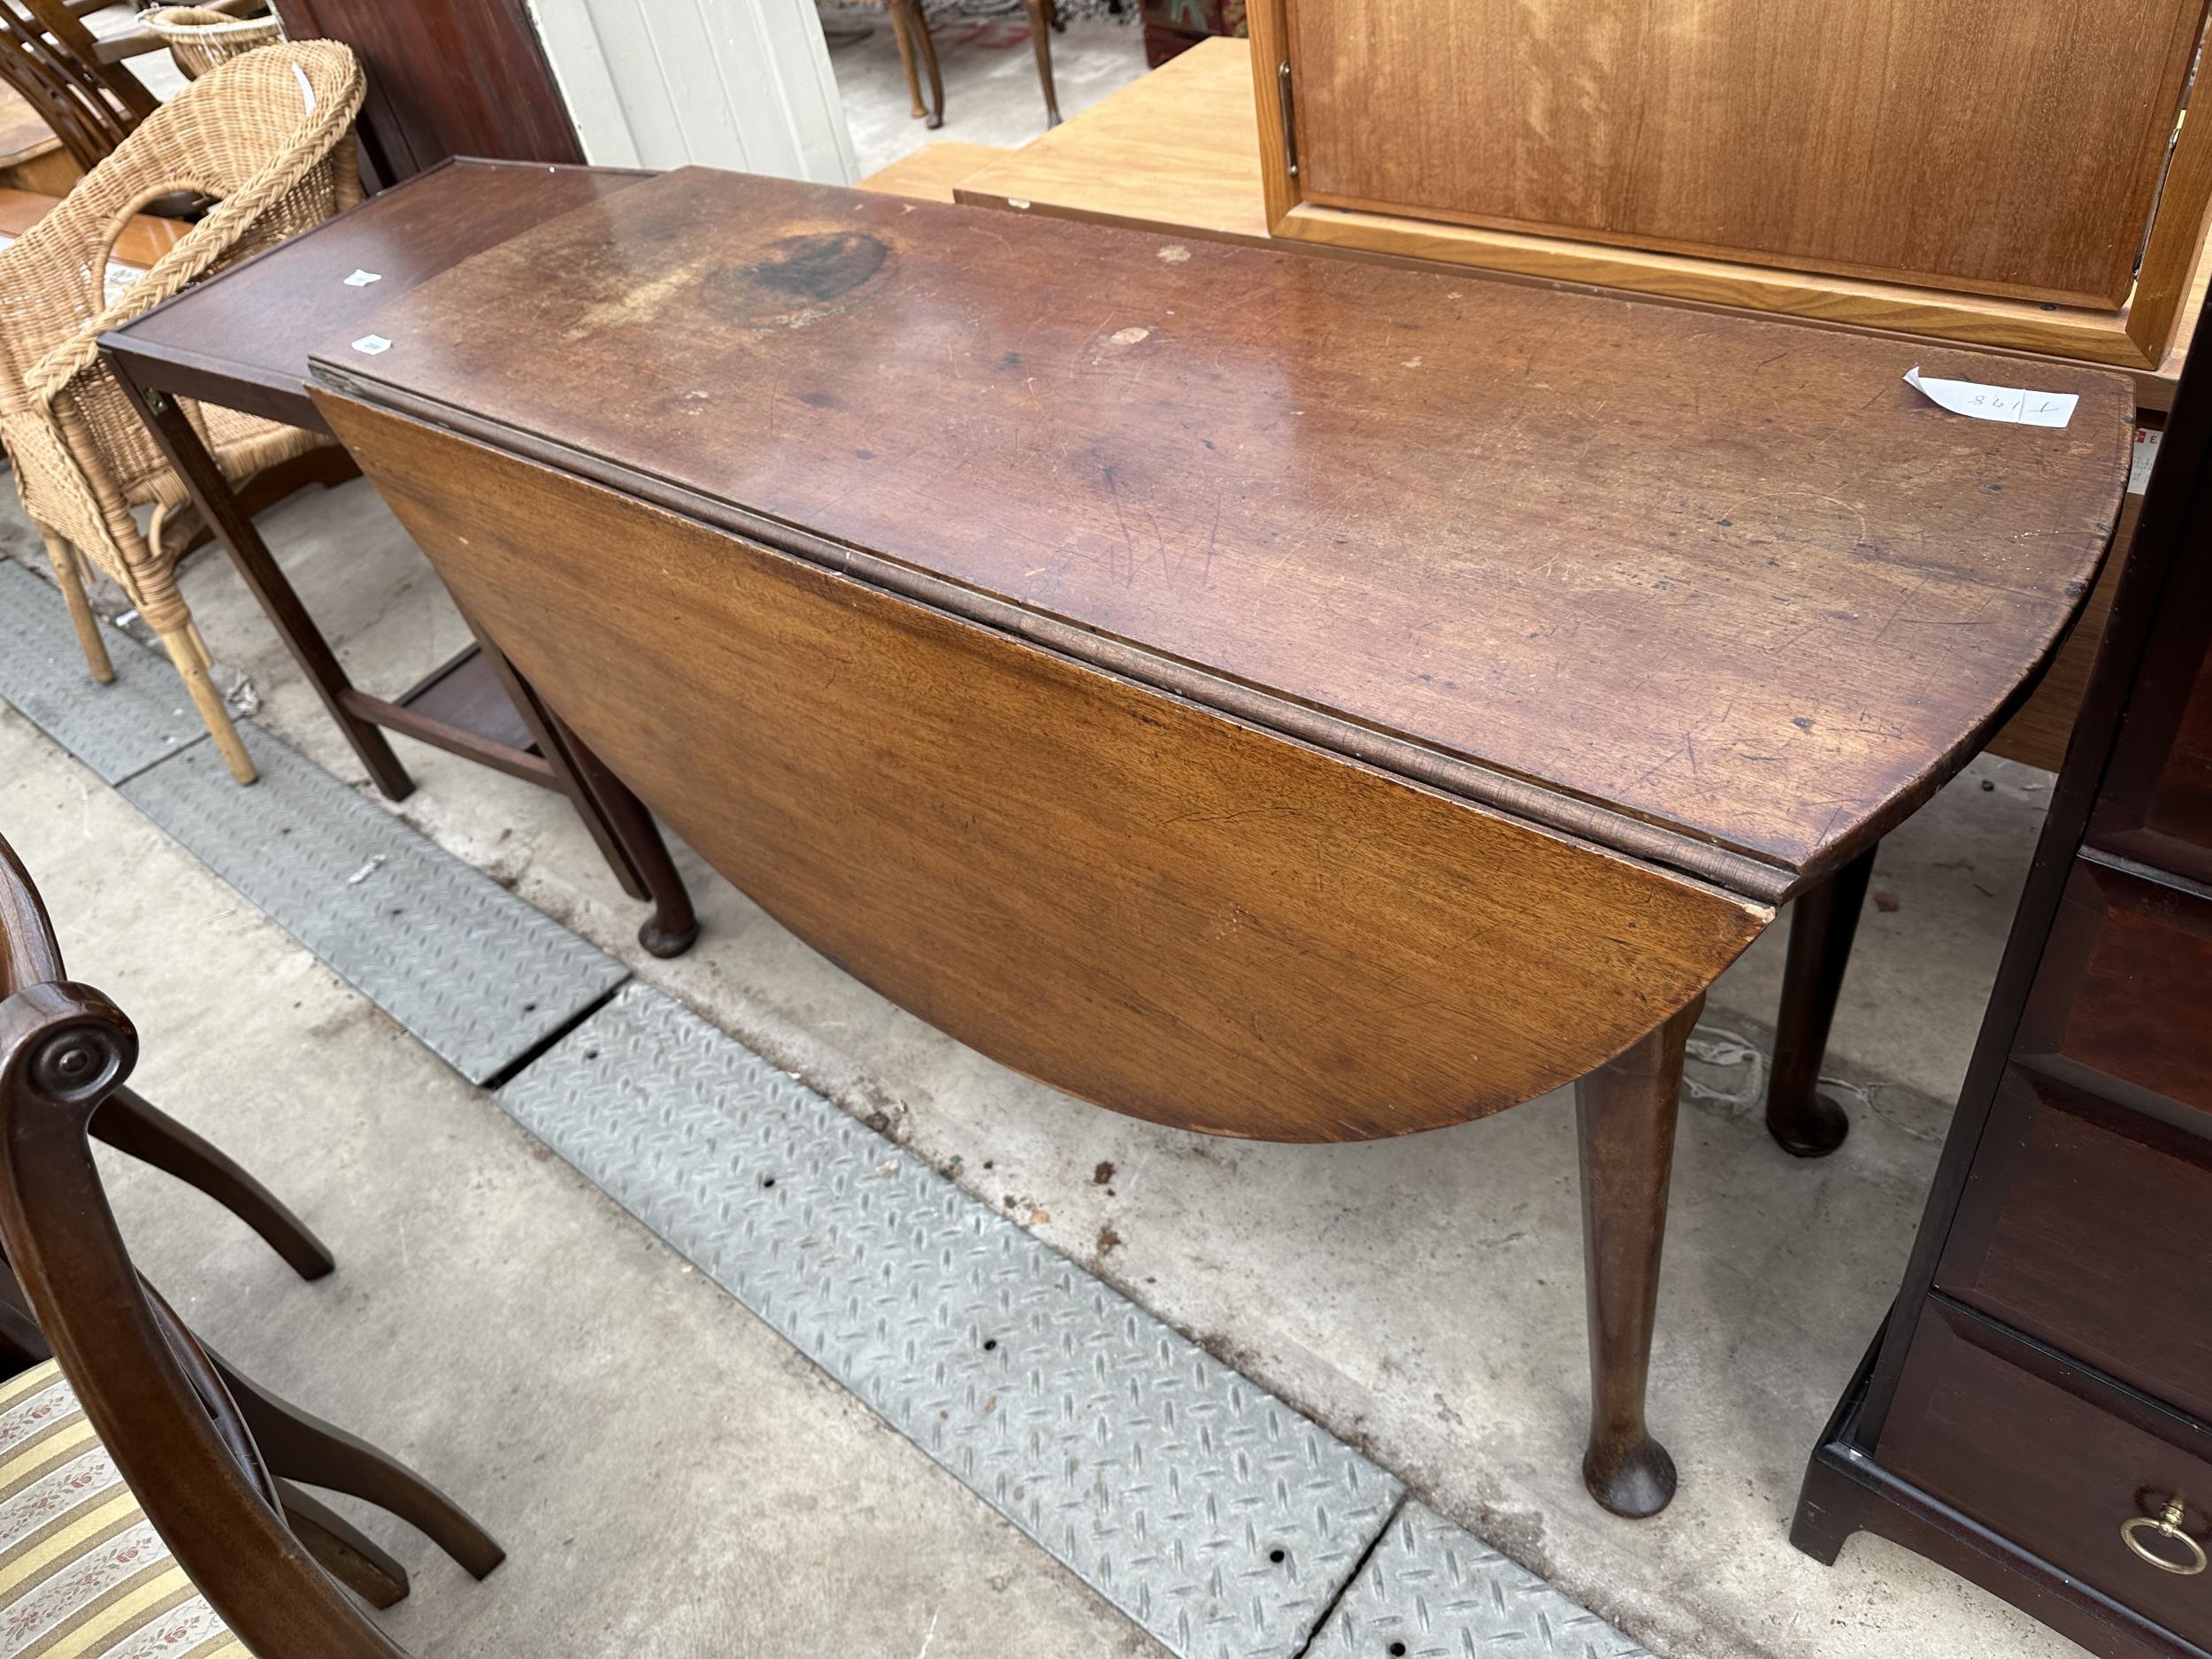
x=2011, y=404
x=362, y=278
x=373, y=344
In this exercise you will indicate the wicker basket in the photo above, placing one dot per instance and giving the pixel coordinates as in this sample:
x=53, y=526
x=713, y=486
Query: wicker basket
x=199, y=39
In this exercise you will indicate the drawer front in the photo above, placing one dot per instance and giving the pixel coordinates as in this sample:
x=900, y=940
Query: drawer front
x=2047, y=1455
x=2121, y=1003
x=2085, y=1225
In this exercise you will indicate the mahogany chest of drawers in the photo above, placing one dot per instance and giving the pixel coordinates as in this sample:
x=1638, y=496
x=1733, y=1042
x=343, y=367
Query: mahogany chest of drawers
x=2037, y=1413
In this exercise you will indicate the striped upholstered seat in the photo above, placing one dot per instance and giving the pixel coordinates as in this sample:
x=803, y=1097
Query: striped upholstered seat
x=83, y=1575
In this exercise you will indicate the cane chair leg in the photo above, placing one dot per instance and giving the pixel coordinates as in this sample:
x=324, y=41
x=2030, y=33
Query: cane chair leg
x=71, y=577
x=199, y=643
x=126, y=1122
x=345, y=1552
x=192, y=666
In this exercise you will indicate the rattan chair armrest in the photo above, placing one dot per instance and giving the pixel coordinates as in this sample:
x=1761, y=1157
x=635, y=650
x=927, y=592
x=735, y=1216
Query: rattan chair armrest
x=198, y=250
x=190, y=258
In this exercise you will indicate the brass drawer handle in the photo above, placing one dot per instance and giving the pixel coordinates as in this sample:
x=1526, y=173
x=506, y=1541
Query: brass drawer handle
x=2166, y=1525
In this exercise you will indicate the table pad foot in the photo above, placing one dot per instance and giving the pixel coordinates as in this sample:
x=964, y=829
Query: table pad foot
x=1635, y=1479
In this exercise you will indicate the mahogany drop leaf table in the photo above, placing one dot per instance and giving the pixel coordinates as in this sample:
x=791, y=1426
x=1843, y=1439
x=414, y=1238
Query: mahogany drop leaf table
x=1292, y=698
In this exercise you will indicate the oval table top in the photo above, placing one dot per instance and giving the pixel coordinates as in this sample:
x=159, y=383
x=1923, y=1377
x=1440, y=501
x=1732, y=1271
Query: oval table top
x=1720, y=593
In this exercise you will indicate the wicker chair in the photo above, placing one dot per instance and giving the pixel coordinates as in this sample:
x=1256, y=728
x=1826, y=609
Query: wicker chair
x=270, y=136
x=200, y=38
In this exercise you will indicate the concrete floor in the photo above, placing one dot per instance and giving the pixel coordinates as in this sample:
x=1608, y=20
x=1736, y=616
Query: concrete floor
x=672, y=1480
x=1420, y=1298
x=990, y=75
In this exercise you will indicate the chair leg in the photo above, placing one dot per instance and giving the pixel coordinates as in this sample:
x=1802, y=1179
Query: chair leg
x=199, y=643
x=917, y=34
x=345, y=1552
x=297, y=1447
x=192, y=668
x=1043, y=16
x=126, y=1122
x=70, y=576
x=906, y=59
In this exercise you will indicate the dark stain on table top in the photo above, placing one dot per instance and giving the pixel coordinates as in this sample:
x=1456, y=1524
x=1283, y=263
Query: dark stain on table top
x=1728, y=577
x=242, y=336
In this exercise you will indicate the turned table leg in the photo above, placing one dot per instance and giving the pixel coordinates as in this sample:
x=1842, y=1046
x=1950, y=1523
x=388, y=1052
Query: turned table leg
x=1822, y=925
x=1625, y=1113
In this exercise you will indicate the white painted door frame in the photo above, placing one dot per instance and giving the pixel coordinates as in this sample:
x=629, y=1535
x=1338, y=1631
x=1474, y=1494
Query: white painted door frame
x=744, y=84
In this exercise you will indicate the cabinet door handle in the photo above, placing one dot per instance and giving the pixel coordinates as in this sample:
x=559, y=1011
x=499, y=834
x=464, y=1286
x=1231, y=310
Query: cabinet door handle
x=2166, y=1525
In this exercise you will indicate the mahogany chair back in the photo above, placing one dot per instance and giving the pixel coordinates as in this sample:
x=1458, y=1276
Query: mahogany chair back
x=160, y=1408
x=53, y=60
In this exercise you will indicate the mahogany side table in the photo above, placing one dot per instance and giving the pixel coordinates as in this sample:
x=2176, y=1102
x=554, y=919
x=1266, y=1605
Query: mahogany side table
x=1301, y=699
x=241, y=339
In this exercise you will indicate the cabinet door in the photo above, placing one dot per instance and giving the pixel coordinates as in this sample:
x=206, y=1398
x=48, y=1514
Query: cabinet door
x=2012, y=150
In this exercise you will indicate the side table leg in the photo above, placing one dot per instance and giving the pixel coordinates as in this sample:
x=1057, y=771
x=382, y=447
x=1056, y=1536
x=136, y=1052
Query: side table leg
x=1624, y=1112
x=628, y=839
x=220, y=511
x=674, y=926
x=1823, y=924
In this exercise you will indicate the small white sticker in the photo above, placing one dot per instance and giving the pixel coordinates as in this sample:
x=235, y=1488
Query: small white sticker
x=2146, y=454
x=373, y=344
x=306, y=91
x=2009, y=403
x=362, y=278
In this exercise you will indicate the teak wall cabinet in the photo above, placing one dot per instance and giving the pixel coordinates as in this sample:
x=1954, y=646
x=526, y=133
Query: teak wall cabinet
x=2018, y=177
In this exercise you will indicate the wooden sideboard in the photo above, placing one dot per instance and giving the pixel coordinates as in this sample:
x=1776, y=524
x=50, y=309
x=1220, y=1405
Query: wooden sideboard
x=2045, y=1379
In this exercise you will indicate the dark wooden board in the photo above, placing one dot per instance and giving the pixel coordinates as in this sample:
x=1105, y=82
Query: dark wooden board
x=1724, y=576
x=456, y=77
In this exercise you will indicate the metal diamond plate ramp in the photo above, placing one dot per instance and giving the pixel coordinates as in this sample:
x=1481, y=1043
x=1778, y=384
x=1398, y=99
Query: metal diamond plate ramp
x=117, y=730
x=1212, y=1514
x=1433, y=1591
x=477, y=975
